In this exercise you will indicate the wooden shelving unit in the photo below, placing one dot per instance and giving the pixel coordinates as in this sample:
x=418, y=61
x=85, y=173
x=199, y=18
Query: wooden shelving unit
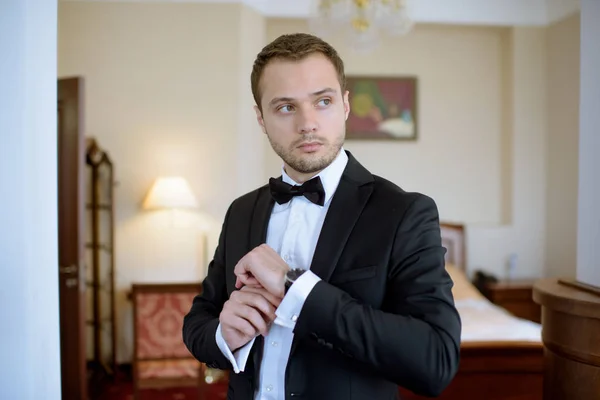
x=100, y=261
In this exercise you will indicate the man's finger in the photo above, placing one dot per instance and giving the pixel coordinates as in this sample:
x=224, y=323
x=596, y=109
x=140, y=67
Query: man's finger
x=245, y=316
x=243, y=269
x=244, y=280
x=249, y=297
x=271, y=298
x=242, y=325
x=253, y=316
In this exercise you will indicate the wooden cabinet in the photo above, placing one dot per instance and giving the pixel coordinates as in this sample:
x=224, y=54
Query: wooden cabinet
x=571, y=330
x=516, y=297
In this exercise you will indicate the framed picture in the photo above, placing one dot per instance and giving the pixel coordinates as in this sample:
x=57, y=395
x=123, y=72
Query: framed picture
x=382, y=108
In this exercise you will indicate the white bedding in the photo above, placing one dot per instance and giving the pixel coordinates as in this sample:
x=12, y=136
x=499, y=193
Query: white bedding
x=484, y=321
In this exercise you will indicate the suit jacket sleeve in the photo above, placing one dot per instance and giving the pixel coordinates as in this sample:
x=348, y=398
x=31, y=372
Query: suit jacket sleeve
x=200, y=324
x=414, y=339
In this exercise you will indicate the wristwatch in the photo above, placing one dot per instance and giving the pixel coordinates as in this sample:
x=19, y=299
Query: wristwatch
x=292, y=276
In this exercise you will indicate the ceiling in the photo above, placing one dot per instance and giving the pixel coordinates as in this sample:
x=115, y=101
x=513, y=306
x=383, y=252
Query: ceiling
x=479, y=12
x=470, y=12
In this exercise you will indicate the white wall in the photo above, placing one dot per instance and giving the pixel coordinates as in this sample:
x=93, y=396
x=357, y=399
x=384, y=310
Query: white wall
x=588, y=225
x=29, y=339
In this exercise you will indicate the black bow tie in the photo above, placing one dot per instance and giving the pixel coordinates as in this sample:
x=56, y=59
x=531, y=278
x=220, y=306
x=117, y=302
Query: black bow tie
x=283, y=192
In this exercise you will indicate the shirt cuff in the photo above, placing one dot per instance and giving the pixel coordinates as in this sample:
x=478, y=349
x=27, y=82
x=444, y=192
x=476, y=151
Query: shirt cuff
x=289, y=309
x=237, y=360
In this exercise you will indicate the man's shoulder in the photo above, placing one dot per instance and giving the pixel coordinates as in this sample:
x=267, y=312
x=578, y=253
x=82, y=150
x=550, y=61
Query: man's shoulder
x=398, y=201
x=390, y=190
x=385, y=192
x=248, y=200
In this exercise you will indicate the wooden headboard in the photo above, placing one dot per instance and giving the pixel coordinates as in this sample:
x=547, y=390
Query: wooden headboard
x=453, y=239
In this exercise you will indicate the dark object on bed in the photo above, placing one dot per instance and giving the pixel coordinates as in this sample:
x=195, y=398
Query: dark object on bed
x=481, y=279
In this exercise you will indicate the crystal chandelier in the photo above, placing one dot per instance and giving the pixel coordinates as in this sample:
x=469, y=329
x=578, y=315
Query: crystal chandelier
x=360, y=21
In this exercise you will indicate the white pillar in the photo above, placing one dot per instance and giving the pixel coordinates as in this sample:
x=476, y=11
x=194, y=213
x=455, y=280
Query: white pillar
x=588, y=227
x=29, y=316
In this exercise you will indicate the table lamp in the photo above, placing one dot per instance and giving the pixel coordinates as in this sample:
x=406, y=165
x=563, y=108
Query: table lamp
x=172, y=193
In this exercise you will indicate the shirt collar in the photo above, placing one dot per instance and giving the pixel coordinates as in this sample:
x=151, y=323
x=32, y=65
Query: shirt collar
x=330, y=176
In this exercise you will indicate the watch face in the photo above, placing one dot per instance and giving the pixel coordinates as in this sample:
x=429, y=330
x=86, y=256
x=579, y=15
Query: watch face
x=295, y=273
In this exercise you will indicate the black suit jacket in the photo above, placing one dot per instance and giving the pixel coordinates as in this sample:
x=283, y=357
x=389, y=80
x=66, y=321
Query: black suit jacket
x=383, y=314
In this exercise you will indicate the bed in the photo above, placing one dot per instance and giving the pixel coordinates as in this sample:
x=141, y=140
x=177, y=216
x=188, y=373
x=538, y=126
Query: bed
x=501, y=355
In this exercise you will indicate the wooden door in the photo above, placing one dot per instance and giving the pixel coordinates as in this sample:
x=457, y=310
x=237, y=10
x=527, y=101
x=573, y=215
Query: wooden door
x=71, y=236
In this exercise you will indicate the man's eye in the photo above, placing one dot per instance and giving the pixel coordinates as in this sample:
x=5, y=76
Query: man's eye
x=324, y=102
x=286, y=109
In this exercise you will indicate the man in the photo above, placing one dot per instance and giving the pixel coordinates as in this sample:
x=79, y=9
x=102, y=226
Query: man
x=328, y=283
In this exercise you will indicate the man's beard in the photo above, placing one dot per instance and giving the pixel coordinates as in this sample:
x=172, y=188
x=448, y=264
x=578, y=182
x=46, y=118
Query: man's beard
x=307, y=164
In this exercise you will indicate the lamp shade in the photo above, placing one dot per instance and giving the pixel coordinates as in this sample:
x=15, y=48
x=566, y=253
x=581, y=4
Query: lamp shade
x=170, y=192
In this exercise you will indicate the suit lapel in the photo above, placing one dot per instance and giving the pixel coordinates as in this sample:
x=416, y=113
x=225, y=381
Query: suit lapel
x=261, y=214
x=346, y=206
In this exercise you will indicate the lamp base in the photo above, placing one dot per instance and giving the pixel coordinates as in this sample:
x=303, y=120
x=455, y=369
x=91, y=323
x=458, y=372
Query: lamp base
x=203, y=258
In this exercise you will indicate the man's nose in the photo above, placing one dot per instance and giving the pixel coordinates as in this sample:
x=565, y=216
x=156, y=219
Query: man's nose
x=307, y=120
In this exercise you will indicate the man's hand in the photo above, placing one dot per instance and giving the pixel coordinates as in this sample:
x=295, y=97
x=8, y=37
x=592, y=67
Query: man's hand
x=262, y=267
x=248, y=313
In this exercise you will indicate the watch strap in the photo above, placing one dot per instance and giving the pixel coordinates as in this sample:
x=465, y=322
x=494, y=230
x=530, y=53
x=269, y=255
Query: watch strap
x=292, y=276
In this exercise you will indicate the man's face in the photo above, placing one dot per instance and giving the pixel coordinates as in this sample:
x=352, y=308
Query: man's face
x=303, y=113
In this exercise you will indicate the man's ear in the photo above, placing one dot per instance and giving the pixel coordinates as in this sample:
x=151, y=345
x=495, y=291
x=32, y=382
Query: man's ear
x=346, y=104
x=260, y=119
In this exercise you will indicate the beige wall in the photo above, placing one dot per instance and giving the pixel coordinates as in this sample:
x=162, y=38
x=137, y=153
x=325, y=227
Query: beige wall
x=563, y=146
x=165, y=94
x=524, y=146
x=251, y=140
x=482, y=134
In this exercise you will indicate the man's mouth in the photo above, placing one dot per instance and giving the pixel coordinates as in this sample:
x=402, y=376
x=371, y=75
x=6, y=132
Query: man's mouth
x=310, y=146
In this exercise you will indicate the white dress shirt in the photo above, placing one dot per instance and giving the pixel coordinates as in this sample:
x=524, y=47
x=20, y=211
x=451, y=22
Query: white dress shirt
x=293, y=231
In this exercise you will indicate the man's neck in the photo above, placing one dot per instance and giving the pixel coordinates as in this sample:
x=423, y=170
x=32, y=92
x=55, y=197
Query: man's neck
x=299, y=177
